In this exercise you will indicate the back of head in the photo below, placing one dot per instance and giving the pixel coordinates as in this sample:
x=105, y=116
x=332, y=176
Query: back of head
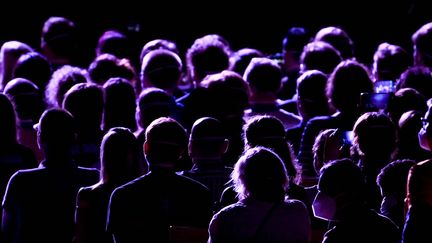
x=375, y=136
x=8, y=132
x=27, y=99
x=329, y=145
x=120, y=156
x=418, y=78
x=106, y=66
x=260, y=174
x=152, y=104
x=158, y=44
x=390, y=61
x=269, y=132
x=263, y=75
x=311, y=94
x=240, y=59
x=161, y=69
x=85, y=102
x=59, y=35
x=341, y=177
x=393, y=178
x=34, y=67
x=422, y=49
x=207, y=138
x=113, y=42
x=346, y=83
x=294, y=41
x=165, y=142
x=119, y=104
x=404, y=100
x=10, y=52
x=339, y=39
x=61, y=81
x=56, y=131
x=207, y=55
x=319, y=55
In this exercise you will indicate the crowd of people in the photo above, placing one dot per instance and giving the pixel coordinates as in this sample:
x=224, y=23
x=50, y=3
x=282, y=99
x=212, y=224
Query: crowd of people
x=218, y=145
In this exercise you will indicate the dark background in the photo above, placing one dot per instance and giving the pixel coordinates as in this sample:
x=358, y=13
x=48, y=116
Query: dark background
x=260, y=24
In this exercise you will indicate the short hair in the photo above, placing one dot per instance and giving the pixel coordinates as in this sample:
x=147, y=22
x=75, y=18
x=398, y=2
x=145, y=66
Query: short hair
x=392, y=178
x=10, y=52
x=418, y=78
x=158, y=44
x=60, y=34
x=208, y=55
x=85, y=102
x=375, y=134
x=34, y=67
x=240, y=59
x=263, y=74
x=319, y=55
x=56, y=128
x=341, y=177
x=207, y=134
x=339, y=39
x=348, y=80
x=61, y=81
x=269, y=132
x=166, y=139
x=259, y=173
x=108, y=66
x=295, y=39
x=152, y=104
x=120, y=156
x=162, y=68
x=113, y=42
x=311, y=92
x=390, y=61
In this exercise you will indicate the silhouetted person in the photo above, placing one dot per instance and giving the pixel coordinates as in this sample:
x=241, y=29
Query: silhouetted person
x=389, y=62
x=263, y=214
x=10, y=52
x=120, y=163
x=39, y=203
x=34, y=67
x=341, y=201
x=145, y=208
x=240, y=59
x=339, y=39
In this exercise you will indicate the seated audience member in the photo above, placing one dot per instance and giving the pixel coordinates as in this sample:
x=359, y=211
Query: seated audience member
x=34, y=67
x=39, y=204
x=120, y=163
x=341, y=201
x=418, y=78
x=240, y=59
x=207, y=144
x=85, y=102
x=418, y=197
x=389, y=62
x=263, y=214
x=13, y=156
x=339, y=39
x=403, y=100
x=392, y=181
x=264, y=77
x=115, y=43
x=29, y=104
x=146, y=208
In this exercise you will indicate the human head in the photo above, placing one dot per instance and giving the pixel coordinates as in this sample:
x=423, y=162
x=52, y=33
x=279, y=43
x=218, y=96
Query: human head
x=158, y=44
x=113, y=42
x=165, y=142
x=240, y=59
x=339, y=39
x=34, y=67
x=311, y=94
x=269, y=132
x=418, y=78
x=10, y=52
x=421, y=40
x=292, y=46
x=340, y=187
x=425, y=133
x=120, y=156
x=152, y=104
x=348, y=80
x=375, y=135
x=389, y=62
x=106, y=66
x=208, y=139
x=207, y=55
x=320, y=56
x=161, y=69
x=61, y=81
x=260, y=174
x=263, y=76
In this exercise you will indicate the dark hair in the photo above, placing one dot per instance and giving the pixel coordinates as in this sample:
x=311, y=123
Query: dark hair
x=319, y=55
x=8, y=131
x=393, y=177
x=264, y=75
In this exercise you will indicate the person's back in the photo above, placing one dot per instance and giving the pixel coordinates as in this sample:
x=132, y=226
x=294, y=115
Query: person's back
x=340, y=200
x=147, y=207
x=262, y=214
x=39, y=203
